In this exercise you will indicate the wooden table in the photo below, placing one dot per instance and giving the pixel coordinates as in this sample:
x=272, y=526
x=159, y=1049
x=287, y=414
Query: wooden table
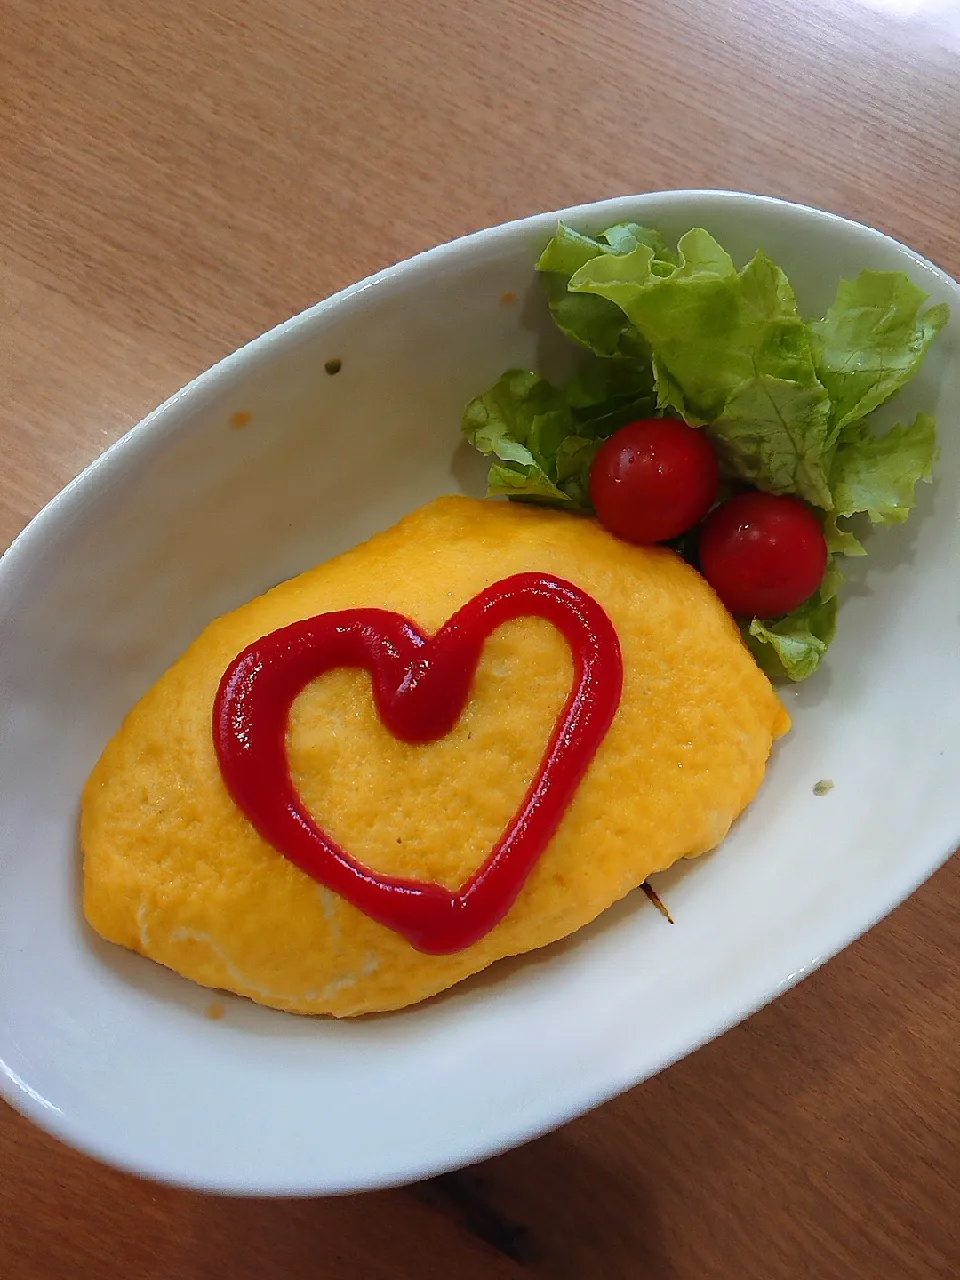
x=176, y=177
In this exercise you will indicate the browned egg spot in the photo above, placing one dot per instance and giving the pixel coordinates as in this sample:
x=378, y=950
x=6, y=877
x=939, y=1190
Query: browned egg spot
x=215, y=1011
x=240, y=418
x=508, y=299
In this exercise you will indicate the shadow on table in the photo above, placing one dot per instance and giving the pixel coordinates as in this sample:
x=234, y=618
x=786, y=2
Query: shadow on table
x=556, y=1210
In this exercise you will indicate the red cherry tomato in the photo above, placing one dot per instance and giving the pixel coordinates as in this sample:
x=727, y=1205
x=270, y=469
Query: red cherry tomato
x=763, y=554
x=654, y=479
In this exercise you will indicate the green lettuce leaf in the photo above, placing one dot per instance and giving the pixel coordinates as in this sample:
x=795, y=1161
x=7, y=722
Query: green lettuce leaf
x=627, y=236
x=711, y=327
x=595, y=322
x=791, y=647
x=832, y=580
x=775, y=433
x=521, y=421
x=574, y=459
x=873, y=340
x=526, y=480
x=620, y=268
x=569, y=250
x=879, y=474
x=669, y=393
x=607, y=394
x=543, y=439
x=592, y=322
x=841, y=540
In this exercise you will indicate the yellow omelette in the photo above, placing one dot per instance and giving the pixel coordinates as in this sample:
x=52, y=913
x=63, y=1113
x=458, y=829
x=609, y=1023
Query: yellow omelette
x=173, y=869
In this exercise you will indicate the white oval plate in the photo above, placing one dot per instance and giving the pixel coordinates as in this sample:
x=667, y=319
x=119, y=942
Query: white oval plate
x=187, y=517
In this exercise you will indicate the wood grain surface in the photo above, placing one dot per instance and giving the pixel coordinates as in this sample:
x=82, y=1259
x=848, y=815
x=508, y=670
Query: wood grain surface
x=176, y=177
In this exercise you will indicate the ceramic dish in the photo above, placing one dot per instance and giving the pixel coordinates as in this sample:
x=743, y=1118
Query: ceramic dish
x=189, y=516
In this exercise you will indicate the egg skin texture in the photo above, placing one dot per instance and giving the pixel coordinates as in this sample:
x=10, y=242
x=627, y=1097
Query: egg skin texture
x=174, y=870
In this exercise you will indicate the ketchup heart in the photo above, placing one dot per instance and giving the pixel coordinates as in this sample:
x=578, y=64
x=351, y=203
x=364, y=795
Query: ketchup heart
x=421, y=684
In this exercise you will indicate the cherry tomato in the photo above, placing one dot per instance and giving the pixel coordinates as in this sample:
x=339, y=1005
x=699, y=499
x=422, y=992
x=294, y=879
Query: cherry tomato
x=763, y=554
x=654, y=479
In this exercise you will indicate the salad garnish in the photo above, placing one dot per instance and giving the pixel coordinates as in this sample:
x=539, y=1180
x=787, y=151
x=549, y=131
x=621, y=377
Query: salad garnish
x=787, y=403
